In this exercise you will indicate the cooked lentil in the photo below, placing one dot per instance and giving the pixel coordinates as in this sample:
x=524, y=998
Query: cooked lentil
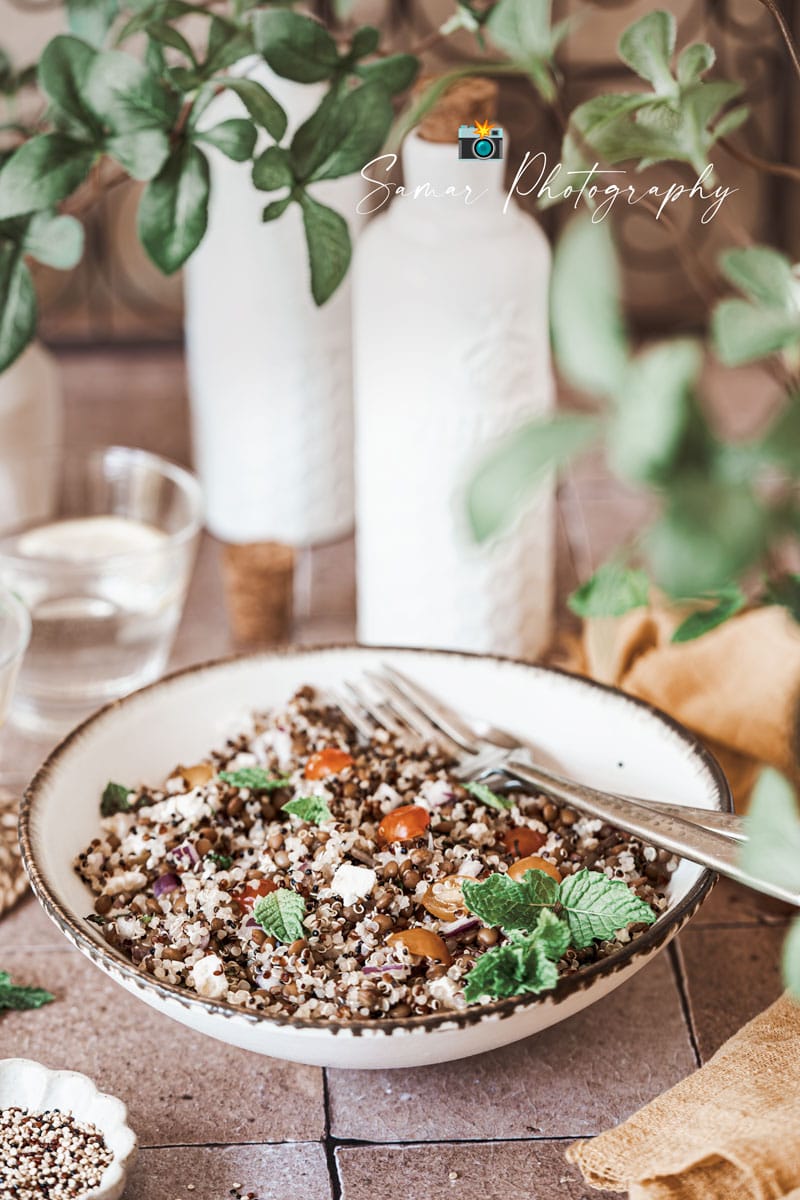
x=360, y=891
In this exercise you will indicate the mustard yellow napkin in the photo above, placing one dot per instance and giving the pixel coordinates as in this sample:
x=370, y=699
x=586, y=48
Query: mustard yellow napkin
x=731, y=1131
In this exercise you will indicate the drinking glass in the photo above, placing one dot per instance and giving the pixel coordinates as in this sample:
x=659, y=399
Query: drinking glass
x=15, y=632
x=99, y=545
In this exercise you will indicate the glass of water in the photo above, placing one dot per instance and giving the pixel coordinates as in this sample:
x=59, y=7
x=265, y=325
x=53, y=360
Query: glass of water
x=15, y=632
x=99, y=545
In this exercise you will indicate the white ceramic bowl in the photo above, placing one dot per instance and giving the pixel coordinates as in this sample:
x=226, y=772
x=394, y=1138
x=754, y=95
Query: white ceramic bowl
x=594, y=733
x=27, y=1084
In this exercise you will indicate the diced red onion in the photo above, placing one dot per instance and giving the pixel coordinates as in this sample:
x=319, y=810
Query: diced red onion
x=184, y=856
x=471, y=868
x=165, y=884
x=250, y=923
x=459, y=927
x=386, y=967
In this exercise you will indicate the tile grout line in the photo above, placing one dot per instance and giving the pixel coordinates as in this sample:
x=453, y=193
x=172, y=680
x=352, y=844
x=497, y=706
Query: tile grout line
x=683, y=994
x=330, y=1141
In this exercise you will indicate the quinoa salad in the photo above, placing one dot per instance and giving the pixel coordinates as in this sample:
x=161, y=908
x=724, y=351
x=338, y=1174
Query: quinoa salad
x=303, y=871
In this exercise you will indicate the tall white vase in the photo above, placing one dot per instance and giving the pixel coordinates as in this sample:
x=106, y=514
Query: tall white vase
x=270, y=374
x=451, y=352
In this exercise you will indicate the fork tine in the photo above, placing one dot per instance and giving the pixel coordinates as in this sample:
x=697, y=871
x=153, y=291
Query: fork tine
x=380, y=713
x=412, y=714
x=434, y=709
x=360, y=720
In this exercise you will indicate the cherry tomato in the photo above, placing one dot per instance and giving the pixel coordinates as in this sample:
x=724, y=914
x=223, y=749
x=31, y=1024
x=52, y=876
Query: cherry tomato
x=404, y=824
x=534, y=863
x=423, y=942
x=444, y=898
x=522, y=841
x=329, y=761
x=251, y=892
x=197, y=775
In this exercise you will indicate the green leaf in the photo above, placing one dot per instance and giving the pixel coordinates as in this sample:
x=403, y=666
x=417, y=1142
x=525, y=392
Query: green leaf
x=508, y=903
x=512, y=470
x=41, y=172
x=125, y=96
x=364, y=41
x=142, y=152
x=653, y=409
x=773, y=827
x=520, y=965
x=56, y=241
x=15, y=997
x=647, y=47
x=763, y=274
x=597, y=907
x=276, y=209
x=343, y=134
x=159, y=11
x=17, y=305
x=791, y=959
x=308, y=808
x=329, y=247
x=227, y=44
x=223, y=861
x=235, y=137
x=166, y=35
x=743, y=333
x=173, y=211
x=115, y=799
x=280, y=914
x=694, y=61
x=781, y=444
x=585, y=313
x=727, y=602
x=486, y=796
x=785, y=591
x=263, y=108
x=394, y=73
x=63, y=67
x=91, y=19
x=254, y=778
x=553, y=934
x=295, y=46
x=522, y=30
x=612, y=591
x=272, y=170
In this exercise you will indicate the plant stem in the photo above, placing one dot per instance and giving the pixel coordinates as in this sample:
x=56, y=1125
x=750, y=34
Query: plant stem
x=785, y=170
x=774, y=8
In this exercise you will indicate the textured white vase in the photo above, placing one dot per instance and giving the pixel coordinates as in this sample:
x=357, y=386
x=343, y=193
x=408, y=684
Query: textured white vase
x=270, y=374
x=451, y=352
x=31, y=419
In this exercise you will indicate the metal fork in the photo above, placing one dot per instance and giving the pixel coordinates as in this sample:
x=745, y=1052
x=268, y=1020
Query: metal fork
x=390, y=704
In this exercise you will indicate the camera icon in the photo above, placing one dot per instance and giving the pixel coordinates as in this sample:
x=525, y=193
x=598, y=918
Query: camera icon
x=479, y=144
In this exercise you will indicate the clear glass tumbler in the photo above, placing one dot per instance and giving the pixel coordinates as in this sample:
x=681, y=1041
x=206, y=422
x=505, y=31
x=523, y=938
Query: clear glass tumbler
x=99, y=545
x=15, y=632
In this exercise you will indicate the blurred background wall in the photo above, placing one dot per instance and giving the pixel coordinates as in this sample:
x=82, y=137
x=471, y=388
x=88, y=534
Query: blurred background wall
x=117, y=296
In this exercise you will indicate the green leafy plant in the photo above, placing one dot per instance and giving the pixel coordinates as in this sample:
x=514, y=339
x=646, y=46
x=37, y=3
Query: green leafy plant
x=541, y=920
x=16, y=997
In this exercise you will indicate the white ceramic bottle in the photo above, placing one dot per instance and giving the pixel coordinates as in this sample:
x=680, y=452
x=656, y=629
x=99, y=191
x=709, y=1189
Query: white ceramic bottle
x=270, y=374
x=451, y=352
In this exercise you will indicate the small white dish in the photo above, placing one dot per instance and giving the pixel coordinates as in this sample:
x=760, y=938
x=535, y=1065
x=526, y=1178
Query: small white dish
x=594, y=733
x=28, y=1084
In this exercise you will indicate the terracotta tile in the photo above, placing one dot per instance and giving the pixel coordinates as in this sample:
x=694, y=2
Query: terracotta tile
x=271, y=1172
x=492, y=1171
x=731, y=976
x=574, y=1079
x=164, y=1072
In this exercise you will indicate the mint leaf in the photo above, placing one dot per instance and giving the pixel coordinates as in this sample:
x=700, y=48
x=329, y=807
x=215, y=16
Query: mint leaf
x=255, y=778
x=729, y=601
x=12, y=996
x=280, y=914
x=115, y=799
x=611, y=591
x=525, y=963
x=308, y=808
x=508, y=903
x=596, y=907
x=223, y=861
x=773, y=825
x=486, y=796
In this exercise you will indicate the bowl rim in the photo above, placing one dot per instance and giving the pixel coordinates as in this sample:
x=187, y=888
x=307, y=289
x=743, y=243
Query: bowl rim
x=660, y=932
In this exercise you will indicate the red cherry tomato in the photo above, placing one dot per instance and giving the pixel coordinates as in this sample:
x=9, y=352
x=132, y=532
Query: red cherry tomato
x=329, y=761
x=522, y=841
x=404, y=824
x=251, y=892
x=534, y=863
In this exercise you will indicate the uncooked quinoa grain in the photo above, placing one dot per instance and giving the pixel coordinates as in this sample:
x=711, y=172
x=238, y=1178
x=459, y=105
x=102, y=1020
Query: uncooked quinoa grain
x=49, y=1155
x=383, y=932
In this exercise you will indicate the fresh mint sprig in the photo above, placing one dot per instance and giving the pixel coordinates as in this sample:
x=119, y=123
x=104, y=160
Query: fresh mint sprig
x=280, y=914
x=308, y=808
x=542, y=918
x=254, y=778
x=115, y=799
x=486, y=796
x=16, y=997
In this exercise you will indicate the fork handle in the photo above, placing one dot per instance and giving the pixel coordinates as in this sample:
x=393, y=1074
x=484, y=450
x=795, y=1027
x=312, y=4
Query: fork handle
x=704, y=846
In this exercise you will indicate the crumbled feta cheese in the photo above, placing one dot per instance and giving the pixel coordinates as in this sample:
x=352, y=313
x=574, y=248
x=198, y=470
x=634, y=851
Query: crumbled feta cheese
x=353, y=883
x=209, y=977
x=435, y=792
x=126, y=881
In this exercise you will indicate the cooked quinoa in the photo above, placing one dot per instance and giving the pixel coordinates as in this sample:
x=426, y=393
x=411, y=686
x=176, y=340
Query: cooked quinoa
x=176, y=876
